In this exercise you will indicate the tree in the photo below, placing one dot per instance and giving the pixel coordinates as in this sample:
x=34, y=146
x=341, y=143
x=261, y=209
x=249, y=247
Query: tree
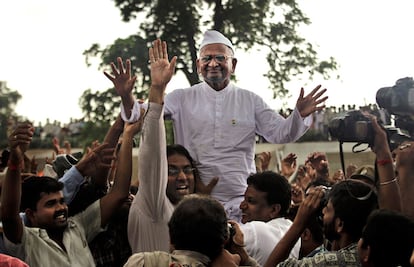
x=271, y=26
x=8, y=100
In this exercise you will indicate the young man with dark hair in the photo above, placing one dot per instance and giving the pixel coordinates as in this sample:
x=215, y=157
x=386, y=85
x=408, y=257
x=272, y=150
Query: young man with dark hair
x=266, y=203
x=53, y=238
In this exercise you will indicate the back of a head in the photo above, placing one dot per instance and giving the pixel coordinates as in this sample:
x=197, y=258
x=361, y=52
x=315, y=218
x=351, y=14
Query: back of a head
x=353, y=201
x=62, y=163
x=33, y=188
x=365, y=173
x=276, y=186
x=199, y=223
x=390, y=236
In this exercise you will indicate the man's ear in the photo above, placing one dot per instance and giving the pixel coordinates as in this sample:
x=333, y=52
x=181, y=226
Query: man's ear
x=339, y=225
x=275, y=210
x=234, y=63
x=198, y=66
x=306, y=235
x=29, y=215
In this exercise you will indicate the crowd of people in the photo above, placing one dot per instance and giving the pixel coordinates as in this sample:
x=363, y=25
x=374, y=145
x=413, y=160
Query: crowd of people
x=207, y=200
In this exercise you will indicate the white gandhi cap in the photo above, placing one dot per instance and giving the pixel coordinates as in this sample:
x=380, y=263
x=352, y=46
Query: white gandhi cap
x=215, y=37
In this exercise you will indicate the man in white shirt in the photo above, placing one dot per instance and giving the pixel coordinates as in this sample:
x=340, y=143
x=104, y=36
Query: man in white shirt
x=265, y=205
x=217, y=121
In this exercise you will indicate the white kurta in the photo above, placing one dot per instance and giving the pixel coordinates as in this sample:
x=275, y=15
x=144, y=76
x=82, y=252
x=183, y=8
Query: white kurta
x=151, y=209
x=218, y=128
x=260, y=238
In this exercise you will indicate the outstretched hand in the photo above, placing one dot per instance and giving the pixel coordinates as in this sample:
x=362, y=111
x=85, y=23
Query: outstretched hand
x=161, y=68
x=97, y=158
x=121, y=77
x=312, y=102
x=288, y=165
x=19, y=138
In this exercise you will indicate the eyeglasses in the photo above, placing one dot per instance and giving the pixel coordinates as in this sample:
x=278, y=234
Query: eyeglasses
x=174, y=171
x=217, y=58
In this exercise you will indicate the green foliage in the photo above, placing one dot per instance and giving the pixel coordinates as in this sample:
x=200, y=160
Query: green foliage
x=100, y=106
x=93, y=131
x=169, y=132
x=270, y=26
x=132, y=48
x=8, y=100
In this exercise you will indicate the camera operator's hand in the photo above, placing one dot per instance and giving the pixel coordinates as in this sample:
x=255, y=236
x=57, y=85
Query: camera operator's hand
x=389, y=196
x=380, y=147
x=309, y=205
x=237, y=244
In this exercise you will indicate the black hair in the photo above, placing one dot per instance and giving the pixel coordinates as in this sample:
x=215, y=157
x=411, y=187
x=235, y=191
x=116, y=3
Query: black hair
x=353, y=201
x=199, y=223
x=33, y=188
x=177, y=149
x=390, y=236
x=276, y=187
x=4, y=158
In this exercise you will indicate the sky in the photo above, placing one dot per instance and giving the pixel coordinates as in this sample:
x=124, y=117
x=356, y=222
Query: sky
x=42, y=44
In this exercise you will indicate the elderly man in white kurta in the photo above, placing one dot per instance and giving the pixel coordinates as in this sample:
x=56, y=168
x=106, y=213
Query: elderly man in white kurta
x=217, y=121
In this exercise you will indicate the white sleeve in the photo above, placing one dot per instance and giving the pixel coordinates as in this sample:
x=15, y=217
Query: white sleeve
x=135, y=112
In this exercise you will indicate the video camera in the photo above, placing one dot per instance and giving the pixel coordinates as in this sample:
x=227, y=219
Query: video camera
x=397, y=100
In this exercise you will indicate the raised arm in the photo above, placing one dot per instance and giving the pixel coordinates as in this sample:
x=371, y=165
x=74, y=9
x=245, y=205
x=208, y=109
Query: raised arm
x=103, y=176
x=288, y=241
x=389, y=196
x=152, y=150
x=123, y=83
x=120, y=189
x=11, y=190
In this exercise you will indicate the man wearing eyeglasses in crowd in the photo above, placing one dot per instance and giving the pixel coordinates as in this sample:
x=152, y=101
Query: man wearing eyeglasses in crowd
x=217, y=121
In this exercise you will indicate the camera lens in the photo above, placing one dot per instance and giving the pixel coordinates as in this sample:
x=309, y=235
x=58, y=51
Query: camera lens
x=384, y=97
